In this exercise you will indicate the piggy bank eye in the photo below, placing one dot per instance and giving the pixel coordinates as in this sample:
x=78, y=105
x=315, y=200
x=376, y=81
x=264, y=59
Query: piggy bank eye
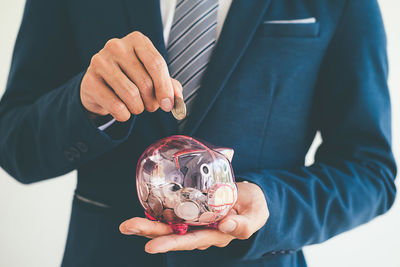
x=204, y=169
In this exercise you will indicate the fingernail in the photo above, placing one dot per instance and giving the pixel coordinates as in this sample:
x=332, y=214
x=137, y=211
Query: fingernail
x=166, y=104
x=228, y=226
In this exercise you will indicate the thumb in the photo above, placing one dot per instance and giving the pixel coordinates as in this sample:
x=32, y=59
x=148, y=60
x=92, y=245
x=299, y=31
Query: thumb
x=239, y=226
x=177, y=88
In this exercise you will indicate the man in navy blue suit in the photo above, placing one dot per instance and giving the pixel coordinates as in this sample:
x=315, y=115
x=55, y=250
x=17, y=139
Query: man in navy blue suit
x=92, y=84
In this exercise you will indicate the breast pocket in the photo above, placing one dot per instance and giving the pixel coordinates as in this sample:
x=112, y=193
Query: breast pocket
x=290, y=28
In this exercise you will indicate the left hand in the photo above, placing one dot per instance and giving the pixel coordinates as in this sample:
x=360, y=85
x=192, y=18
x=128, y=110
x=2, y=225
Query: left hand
x=249, y=214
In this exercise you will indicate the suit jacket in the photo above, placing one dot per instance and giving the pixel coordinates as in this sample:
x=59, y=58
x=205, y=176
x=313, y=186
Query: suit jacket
x=267, y=91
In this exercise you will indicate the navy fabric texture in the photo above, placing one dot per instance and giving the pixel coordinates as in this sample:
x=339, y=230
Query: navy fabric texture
x=267, y=90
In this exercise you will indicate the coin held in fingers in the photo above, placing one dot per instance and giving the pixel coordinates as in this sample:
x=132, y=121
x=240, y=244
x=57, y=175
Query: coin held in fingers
x=179, y=110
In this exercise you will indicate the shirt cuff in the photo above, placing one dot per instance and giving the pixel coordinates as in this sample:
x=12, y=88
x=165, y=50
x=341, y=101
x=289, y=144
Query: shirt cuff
x=106, y=125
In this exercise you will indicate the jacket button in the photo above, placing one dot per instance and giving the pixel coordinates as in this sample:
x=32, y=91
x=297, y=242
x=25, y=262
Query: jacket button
x=82, y=147
x=75, y=152
x=68, y=155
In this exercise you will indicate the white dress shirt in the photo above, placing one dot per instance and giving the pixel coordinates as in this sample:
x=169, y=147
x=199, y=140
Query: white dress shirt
x=167, y=8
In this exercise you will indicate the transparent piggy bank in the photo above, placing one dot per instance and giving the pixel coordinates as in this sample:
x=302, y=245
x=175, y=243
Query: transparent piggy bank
x=182, y=181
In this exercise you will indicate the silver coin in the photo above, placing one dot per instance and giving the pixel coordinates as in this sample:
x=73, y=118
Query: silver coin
x=170, y=188
x=157, y=192
x=143, y=191
x=191, y=193
x=165, y=190
x=149, y=166
x=188, y=211
x=179, y=109
x=202, y=198
x=155, y=205
x=171, y=201
x=204, y=207
x=167, y=194
x=207, y=217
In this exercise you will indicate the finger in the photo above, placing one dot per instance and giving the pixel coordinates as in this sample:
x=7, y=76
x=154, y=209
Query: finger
x=135, y=71
x=123, y=87
x=89, y=99
x=144, y=227
x=240, y=226
x=178, y=90
x=193, y=240
x=252, y=214
x=157, y=68
x=120, y=50
x=233, y=211
x=252, y=210
x=107, y=100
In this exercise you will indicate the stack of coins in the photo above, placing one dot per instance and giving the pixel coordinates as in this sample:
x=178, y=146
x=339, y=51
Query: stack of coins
x=173, y=203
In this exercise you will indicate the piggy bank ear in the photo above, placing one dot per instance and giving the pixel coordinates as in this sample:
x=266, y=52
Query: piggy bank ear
x=227, y=152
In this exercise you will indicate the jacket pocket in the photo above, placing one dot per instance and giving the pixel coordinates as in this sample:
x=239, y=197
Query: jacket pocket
x=295, y=28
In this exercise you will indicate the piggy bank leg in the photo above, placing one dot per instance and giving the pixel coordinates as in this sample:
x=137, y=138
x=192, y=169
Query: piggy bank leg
x=179, y=228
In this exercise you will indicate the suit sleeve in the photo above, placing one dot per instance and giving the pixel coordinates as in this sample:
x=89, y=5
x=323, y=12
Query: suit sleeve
x=352, y=179
x=45, y=131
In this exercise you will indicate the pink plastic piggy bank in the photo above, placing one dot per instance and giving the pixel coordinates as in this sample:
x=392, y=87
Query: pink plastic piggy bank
x=181, y=181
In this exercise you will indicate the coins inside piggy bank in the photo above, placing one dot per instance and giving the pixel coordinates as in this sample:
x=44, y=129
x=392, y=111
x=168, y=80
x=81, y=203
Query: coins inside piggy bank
x=181, y=181
x=155, y=205
x=188, y=210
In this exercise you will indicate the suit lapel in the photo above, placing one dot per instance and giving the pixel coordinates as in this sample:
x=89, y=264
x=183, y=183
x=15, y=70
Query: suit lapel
x=240, y=25
x=145, y=16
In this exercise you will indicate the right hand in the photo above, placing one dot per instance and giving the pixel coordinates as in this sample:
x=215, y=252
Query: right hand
x=127, y=77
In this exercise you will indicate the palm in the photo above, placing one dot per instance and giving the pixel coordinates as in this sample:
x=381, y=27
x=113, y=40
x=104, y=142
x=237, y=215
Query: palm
x=248, y=215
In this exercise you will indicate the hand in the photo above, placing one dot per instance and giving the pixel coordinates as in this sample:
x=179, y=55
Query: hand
x=248, y=215
x=127, y=77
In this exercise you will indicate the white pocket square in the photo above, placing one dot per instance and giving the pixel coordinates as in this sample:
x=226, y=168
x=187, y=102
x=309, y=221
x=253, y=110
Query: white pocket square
x=292, y=21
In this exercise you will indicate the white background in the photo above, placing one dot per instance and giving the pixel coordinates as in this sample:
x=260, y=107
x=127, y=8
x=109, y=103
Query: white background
x=34, y=219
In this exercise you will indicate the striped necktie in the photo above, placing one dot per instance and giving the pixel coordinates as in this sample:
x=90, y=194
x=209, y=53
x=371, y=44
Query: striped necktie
x=190, y=44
